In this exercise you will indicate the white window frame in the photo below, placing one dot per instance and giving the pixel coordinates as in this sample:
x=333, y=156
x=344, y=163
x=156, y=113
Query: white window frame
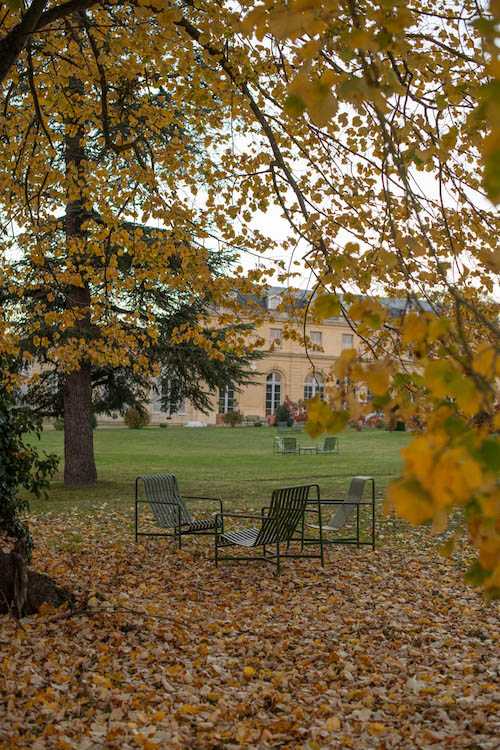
x=227, y=399
x=314, y=385
x=346, y=345
x=274, y=383
x=160, y=407
x=316, y=338
x=276, y=333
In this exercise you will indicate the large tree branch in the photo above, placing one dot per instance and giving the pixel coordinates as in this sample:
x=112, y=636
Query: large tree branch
x=35, y=19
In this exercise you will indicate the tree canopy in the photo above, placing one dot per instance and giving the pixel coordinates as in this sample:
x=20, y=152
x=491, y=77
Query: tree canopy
x=367, y=124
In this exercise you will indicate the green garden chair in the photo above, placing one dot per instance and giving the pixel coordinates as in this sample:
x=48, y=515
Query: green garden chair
x=331, y=445
x=345, y=509
x=279, y=525
x=285, y=445
x=161, y=493
x=290, y=445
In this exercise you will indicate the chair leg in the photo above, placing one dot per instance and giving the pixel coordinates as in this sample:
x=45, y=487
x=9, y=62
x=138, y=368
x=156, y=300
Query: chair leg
x=136, y=519
x=321, y=548
x=357, y=526
x=373, y=515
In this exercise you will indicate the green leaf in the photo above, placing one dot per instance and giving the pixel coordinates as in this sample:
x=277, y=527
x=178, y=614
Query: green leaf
x=294, y=105
x=489, y=454
x=476, y=575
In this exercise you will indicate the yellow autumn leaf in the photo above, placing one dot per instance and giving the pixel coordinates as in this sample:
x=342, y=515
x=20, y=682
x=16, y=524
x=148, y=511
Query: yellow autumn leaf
x=414, y=328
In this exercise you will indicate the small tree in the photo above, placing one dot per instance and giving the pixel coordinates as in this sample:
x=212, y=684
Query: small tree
x=283, y=414
x=233, y=418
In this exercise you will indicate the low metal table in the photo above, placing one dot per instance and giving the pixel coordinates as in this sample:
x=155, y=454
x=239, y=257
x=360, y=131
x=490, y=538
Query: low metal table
x=307, y=448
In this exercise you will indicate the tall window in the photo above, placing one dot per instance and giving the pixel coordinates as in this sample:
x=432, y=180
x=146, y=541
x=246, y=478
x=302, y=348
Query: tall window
x=347, y=341
x=276, y=337
x=273, y=392
x=316, y=338
x=314, y=386
x=161, y=399
x=226, y=400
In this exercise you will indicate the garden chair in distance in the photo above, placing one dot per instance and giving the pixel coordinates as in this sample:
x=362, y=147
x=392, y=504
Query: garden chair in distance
x=345, y=508
x=279, y=524
x=331, y=445
x=169, y=508
x=290, y=445
x=285, y=445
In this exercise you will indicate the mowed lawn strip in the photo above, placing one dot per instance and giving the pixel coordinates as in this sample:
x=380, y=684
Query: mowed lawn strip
x=236, y=464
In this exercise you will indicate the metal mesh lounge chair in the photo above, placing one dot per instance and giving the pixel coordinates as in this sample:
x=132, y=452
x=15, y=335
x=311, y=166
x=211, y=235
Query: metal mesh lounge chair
x=285, y=445
x=169, y=508
x=289, y=445
x=331, y=445
x=345, y=508
x=278, y=526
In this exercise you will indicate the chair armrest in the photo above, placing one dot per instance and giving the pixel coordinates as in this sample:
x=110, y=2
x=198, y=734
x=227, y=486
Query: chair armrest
x=157, y=502
x=198, y=497
x=344, y=502
x=242, y=515
x=266, y=507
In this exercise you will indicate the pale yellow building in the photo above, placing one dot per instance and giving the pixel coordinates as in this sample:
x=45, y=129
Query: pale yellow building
x=286, y=370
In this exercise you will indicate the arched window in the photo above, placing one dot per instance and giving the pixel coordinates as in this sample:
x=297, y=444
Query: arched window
x=314, y=386
x=273, y=392
x=162, y=403
x=226, y=399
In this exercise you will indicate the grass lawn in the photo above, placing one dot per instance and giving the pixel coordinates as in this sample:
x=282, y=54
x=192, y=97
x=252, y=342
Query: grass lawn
x=236, y=464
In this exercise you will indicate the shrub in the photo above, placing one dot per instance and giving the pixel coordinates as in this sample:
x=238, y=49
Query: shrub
x=163, y=425
x=257, y=424
x=21, y=465
x=233, y=418
x=136, y=419
x=283, y=414
x=298, y=411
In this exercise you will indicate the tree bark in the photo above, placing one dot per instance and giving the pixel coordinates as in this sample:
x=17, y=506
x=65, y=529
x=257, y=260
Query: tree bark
x=22, y=591
x=79, y=467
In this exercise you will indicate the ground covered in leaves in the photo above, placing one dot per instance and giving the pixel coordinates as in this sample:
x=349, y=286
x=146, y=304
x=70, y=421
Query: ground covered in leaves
x=377, y=650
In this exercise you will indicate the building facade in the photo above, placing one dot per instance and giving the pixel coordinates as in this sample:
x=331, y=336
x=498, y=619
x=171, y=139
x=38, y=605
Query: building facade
x=285, y=371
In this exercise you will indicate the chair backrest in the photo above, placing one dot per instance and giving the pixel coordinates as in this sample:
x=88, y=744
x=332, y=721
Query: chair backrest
x=164, y=487
x=289, y=445
x=329, y=443
x=353, y=497
x=282, y=426
x=286, y=511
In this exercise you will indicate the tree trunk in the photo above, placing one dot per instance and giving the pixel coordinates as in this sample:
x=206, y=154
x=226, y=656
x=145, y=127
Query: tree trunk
x=22, y=591
x=79, y=466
